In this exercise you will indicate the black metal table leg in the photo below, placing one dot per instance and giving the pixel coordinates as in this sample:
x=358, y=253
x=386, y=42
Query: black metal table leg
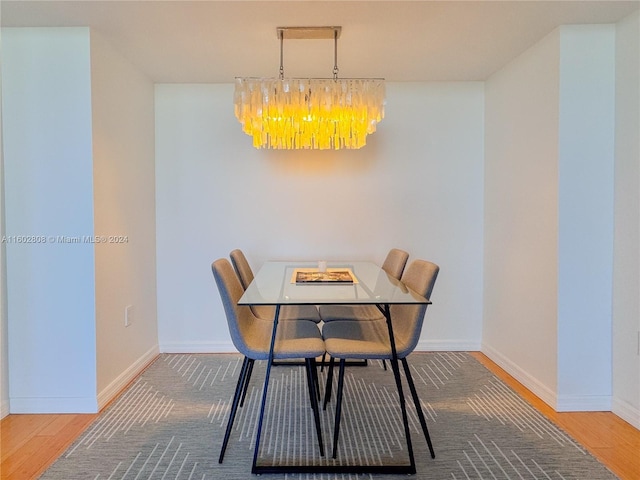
x=265, y=389
x=396, y=374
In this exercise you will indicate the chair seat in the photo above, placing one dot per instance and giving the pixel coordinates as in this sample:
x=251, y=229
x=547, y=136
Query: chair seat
x=332, y=313
x=294, y=339
x=288, y=312
x=361, y=340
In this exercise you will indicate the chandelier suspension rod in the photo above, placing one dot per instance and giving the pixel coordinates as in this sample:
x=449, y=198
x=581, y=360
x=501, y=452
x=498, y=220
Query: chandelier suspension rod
x=335, y=55
x=281, y=35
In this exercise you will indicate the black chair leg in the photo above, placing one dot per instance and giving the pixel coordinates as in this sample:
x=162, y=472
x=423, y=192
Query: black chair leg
x=246, y=381
x=416, y=402
x=336, y=427
x=312, y=380
x=329, y=385
x=242, y=380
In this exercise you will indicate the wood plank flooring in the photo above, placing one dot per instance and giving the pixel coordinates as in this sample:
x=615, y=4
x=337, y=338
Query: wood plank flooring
x=30, y=443
x=606, y=436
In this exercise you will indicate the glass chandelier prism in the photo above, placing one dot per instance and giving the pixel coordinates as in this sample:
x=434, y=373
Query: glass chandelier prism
x=309, y=113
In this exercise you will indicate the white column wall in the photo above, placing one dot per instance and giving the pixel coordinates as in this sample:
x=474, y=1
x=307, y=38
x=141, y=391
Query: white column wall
x=49, y=195
x=626, y=272
x=521, y=217
x=417, y=185
x=124, y=209
x=549, y=217
x=585, y=243
x=4, y=351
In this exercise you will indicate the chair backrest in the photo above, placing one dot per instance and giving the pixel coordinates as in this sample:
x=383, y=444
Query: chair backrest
x=420, y=276
x=239, y=319
x=245, y=275
x=395, y=262
x=242, y=267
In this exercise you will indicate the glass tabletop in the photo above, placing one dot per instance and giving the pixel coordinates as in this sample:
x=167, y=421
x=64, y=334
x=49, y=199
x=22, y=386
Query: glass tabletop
x=300, y=283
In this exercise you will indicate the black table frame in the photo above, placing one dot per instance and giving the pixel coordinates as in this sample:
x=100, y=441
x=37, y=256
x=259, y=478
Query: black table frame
x=355, y=469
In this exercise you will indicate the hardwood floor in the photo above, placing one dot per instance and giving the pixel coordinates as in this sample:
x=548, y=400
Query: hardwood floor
x=609, y=438
x=30, y=443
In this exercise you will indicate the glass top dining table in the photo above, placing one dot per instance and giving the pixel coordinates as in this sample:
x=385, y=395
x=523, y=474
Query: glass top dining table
x=276, y=284
x=280, y=283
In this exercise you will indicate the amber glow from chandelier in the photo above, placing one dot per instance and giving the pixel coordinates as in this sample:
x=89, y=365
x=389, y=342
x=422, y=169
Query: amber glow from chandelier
x=309, y=113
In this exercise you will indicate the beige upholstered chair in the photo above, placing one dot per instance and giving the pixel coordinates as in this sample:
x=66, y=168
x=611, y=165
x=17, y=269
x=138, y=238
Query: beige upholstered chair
x=252, y=336
x=394, y=265
x=266, y=312
x=370, y=340
x=395, y=262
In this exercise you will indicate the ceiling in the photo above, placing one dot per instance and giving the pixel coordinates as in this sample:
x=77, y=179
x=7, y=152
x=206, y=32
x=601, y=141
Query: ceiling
x=215, y=41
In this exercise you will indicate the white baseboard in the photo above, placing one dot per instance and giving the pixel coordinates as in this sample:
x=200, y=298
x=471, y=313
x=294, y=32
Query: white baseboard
x=227, y=347
x=447, y=346
x=4, y=409
x=627, y=412
x=583, y=403
x=197, y=347
x=82, y=404
x=560, y=403
x=547, y=395
x=115, y=387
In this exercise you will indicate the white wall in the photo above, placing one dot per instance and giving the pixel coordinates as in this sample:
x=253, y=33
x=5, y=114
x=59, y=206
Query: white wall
x=49, y=194
x=521, y=219
x=4, y=351
x=79, y=157
x=417, y=185
x=549, y=217
x=585, y=242
x=124, y=209
x=626, y=279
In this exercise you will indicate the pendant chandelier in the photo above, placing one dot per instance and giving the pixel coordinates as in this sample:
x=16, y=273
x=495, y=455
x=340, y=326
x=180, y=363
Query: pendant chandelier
x=309, y=113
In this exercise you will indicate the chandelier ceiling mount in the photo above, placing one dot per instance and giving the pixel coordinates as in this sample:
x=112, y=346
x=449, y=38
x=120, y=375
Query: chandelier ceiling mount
x=305, y=33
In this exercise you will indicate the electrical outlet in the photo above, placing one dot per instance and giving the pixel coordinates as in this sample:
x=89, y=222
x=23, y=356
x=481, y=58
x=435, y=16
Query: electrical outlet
x=128, y=315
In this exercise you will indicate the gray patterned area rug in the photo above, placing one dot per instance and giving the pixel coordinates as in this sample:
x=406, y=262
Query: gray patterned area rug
x=170, y=422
